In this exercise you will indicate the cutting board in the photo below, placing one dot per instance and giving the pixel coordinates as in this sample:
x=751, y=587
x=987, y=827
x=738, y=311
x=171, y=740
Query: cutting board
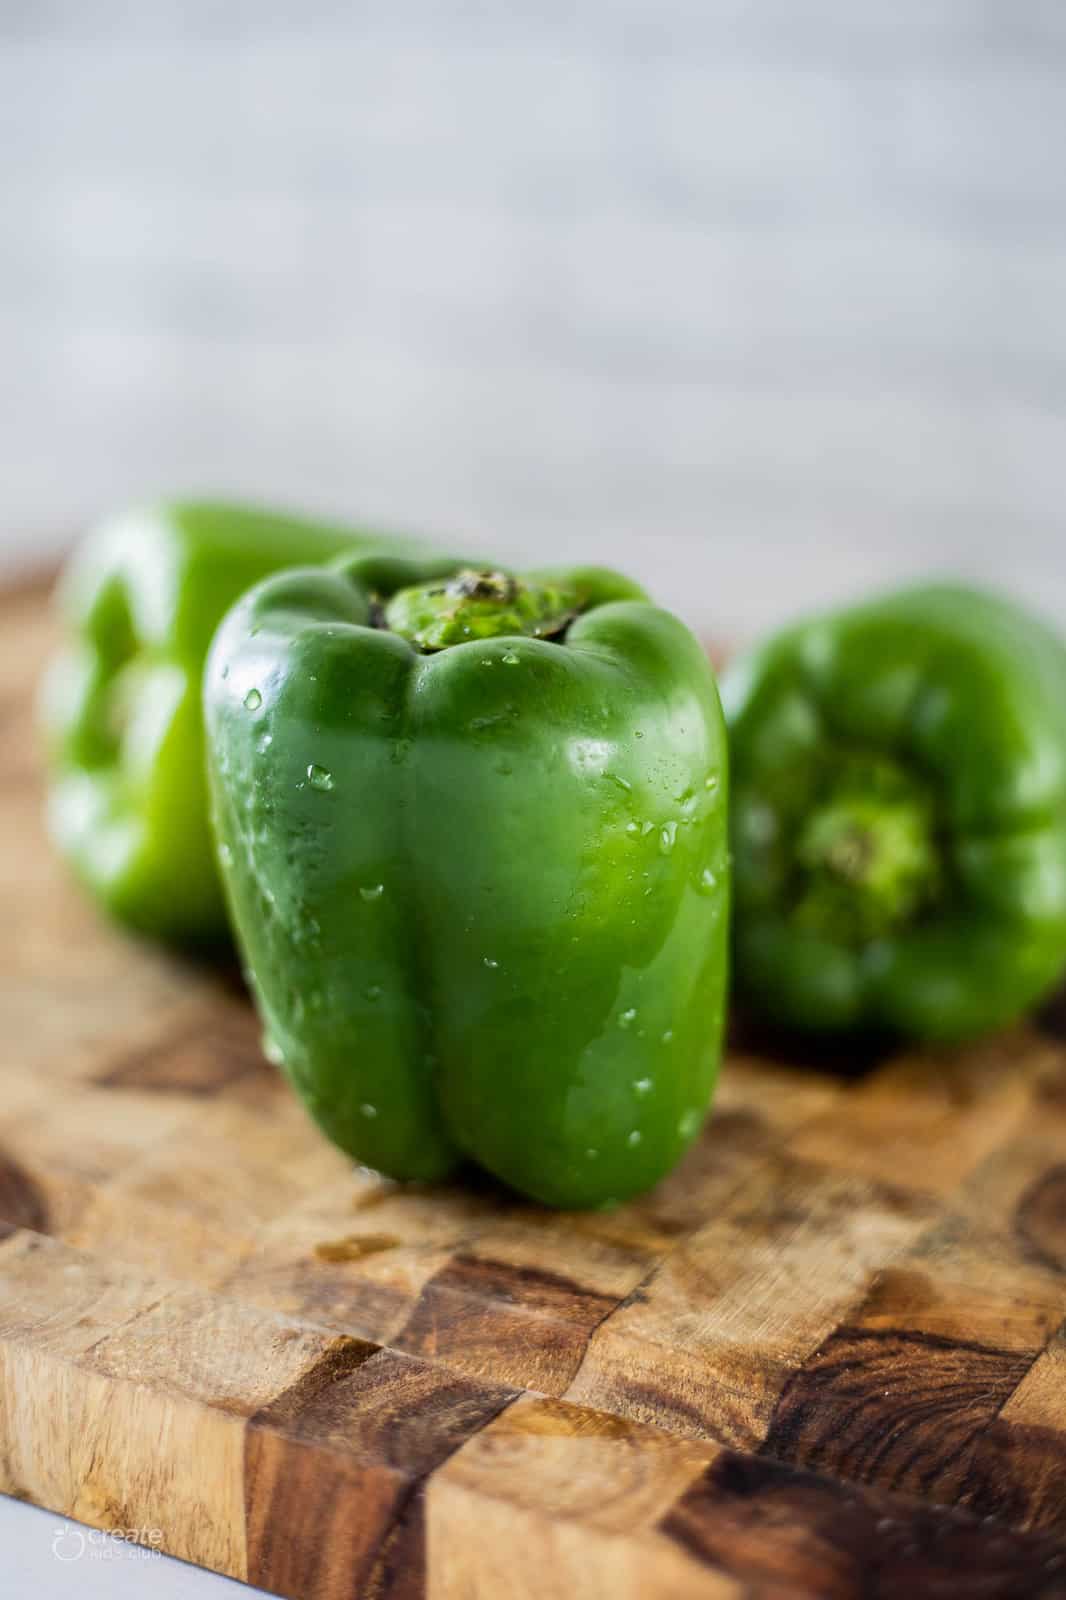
x=826, y=1358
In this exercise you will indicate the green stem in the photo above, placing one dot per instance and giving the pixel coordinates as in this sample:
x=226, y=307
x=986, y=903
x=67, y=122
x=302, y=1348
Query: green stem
x=867, y=855
x=479, y=605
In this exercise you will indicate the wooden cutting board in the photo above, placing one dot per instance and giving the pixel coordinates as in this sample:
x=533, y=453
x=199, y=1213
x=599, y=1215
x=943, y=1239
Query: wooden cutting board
x=827, y=1358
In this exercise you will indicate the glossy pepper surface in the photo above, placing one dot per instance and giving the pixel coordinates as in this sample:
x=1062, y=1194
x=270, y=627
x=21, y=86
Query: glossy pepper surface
x=473, y=829
x=140, y=601
x=899, y=816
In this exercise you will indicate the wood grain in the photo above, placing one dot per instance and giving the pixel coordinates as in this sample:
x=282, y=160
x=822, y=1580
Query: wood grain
x=825, y=1358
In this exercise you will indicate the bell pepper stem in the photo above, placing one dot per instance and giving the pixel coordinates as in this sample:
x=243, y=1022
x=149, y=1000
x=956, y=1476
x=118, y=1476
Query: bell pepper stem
x=473, y=604
x=867, y=856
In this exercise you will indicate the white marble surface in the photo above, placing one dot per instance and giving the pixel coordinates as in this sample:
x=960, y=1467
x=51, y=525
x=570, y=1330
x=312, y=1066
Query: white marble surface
x=54, y=1558
x=761, y=298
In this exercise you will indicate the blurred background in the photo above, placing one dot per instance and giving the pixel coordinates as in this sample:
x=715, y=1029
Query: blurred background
x=762, y=299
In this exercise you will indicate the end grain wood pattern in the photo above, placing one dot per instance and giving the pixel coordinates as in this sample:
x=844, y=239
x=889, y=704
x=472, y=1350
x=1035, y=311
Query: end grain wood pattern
x=826, y=1358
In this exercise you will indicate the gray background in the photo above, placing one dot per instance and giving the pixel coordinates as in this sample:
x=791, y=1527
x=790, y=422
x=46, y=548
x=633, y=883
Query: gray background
x=765, y=299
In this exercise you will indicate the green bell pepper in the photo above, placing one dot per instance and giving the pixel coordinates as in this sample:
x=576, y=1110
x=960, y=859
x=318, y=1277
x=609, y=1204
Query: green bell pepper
x=899, y=816
x=473, y=830
x=140, y=601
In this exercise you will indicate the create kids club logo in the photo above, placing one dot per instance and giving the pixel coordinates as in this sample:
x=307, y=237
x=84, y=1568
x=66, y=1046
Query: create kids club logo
x=70, y=1543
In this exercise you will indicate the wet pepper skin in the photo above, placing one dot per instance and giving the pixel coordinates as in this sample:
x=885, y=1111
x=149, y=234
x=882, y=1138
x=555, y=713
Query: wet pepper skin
x=140, y=601
x=899, y=816
x=481, y=889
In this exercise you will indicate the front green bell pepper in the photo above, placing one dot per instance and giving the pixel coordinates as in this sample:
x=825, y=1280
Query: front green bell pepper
x=473, y=830
x=140, y=601
x=899, y=816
